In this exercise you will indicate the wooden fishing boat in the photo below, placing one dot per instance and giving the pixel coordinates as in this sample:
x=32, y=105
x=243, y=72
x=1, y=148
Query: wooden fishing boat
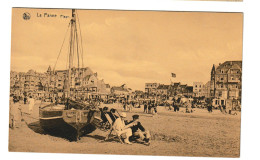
x=72, y=118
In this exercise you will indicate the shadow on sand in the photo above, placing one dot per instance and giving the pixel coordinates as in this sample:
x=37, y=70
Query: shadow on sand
x=36, y=127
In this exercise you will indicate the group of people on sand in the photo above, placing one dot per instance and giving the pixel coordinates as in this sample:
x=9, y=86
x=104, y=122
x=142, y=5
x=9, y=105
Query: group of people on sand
x=226, y=109
x=150, y=107
x=127, y=131
x=15, y=113
x=127, y=106
x=176, y=106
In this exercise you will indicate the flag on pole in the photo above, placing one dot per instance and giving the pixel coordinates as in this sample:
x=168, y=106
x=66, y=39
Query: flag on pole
x=173, y=75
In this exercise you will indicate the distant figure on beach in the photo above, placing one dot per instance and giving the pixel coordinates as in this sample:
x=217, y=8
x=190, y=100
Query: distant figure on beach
x=150, y=106
x=129, y=106
x=220, y=108
x=229, y=109
x=224, y=108
x=14, y=113
x=25, y=100
x=145, y=107
x=155, y=108
x=124, y=106
x=174, y=105
x=31, y=104
x=188, y=107
x=210, y=107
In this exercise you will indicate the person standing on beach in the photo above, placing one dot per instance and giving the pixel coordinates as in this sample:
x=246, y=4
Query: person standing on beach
x=15, y=113
x=31, y=104
x=145, y=107
x=150, y=107
x=155, y=107
x=224, y=108
x=220, y=108
x=25, y=99
x=174, y=105
x=229, y=109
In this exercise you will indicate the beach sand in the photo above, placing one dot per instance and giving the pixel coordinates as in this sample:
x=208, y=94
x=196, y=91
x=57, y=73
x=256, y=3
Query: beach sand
x=199, y=133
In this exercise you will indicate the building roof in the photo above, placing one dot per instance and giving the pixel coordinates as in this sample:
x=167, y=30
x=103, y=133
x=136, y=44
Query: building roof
x=189, y=88
x=226, y=66
x=86, y=78
x=107, y=86
x=162, y=86
x=183, y=85
x=115, y=88
x=176, y=84
x=139, y=92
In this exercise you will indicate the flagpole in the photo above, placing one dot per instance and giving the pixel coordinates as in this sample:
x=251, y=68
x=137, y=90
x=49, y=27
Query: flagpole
x=173, y=75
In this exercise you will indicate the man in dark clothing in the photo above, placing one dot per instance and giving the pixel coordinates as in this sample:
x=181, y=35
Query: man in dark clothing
x=210, y=108
x=25, y=100
x=139, y=133
x=224, y=108
x=112, y=114
x=103, y=112
x=149, y=107
x=145, y=107
x=174, y=106
x=155, y=108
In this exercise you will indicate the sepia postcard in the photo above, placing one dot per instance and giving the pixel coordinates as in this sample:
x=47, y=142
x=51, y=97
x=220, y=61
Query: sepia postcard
x=159, y=83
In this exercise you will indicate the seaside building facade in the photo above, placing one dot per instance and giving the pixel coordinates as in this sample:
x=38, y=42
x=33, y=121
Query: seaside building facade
x=84, y=83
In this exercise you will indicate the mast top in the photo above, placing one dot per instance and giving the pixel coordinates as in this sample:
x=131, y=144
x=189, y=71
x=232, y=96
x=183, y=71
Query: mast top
x=73, y=15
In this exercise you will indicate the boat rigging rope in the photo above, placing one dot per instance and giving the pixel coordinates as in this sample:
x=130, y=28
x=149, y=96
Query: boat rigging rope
x=61, y=47
x=80, y=39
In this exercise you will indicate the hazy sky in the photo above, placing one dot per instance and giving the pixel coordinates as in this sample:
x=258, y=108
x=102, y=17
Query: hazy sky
x=132, y=47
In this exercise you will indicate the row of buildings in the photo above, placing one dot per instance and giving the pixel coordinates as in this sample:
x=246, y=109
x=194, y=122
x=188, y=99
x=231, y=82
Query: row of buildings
x=225, y=83
x=83, y=83
x=162, y=90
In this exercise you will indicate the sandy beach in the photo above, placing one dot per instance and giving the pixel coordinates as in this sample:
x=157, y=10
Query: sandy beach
x=173, y=134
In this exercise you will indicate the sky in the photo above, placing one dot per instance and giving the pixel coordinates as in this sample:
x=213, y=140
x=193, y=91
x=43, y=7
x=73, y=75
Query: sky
x=130, y=47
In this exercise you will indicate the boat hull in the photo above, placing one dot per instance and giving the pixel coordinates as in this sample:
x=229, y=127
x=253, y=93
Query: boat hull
x=70, y=124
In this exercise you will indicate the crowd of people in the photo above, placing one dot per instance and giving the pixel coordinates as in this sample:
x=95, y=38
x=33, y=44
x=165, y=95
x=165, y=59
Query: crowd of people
x=150, y=107
x=15, y=113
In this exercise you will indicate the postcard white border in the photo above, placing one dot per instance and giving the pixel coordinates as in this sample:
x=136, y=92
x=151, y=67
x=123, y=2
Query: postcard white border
x=250, y=92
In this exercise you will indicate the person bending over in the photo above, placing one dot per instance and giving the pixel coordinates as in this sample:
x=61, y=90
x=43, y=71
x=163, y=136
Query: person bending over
x=139, y=133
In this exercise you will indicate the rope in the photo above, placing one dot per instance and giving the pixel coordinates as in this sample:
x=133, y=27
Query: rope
x=76, y=38
x=80, y=39
x=61, y=47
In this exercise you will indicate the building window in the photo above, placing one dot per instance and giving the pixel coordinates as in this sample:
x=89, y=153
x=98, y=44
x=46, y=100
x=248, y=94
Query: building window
x=221, y=78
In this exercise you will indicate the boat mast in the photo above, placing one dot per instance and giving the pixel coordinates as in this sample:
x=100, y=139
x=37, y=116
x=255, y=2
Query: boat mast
x=71, y=48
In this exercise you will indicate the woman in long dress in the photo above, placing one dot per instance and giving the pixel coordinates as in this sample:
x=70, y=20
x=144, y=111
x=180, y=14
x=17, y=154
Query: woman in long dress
x=31, y=104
